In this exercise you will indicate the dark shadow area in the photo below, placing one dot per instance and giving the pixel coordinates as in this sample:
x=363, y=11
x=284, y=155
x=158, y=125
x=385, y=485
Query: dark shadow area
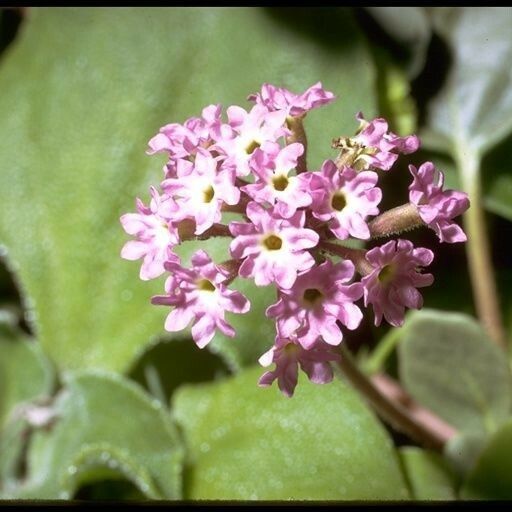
x=169, y=364
x=10, y=20
x=378, y=36
x=106, y=490
x=330, y=27
x=10, y=298
x=433, y=76
x=437, y=64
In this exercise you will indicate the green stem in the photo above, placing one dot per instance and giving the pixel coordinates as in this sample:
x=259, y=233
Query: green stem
x=376, y=360
x=481, y=269
x=411, y=419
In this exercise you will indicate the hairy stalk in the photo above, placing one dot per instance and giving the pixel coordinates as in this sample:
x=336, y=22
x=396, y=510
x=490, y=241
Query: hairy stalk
x=356, y=256
x=393, y=405
x=481, y=269
x=298, y=135
x=215, y=230
x=395, y=221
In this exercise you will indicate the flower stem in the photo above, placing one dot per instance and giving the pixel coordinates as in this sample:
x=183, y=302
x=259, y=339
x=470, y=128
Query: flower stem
x=395, y=221
x=478, y=251
x=298, y=135
x=395, y=407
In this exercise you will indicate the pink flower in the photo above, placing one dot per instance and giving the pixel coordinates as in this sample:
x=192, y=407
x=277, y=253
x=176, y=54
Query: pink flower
x=288, y=354
x=271, y=166
x=247, y=131
x=382, y=145
x=391, y=286
x=274, y=249
x=180, y=141
x=316, y=302
x=344, y=198
x=156, y=235
x=200, y=192
x=279, y=99
x=437, y=207
x=200, y=295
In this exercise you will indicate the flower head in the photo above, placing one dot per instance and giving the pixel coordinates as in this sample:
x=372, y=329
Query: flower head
x=273, y=249
x=280, y=99
x=391, y=286
x=288, y=355
x=319, y=299
x=437, y=207
x=155, y=234
x=345, y=199
x=200, y=295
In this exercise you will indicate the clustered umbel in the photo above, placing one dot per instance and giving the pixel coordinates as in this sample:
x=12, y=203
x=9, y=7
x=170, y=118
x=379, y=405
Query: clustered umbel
x=294, y=229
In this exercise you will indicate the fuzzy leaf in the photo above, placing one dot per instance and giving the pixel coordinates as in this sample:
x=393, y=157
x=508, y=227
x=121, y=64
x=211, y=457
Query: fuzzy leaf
x=105, y=425
x=74, y=124
x=249, y=443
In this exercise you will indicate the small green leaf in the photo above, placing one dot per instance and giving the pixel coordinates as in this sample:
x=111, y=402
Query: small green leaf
x=105, y=425
x=463, y=451
x=73, y=147
x=448, y=364
x=251, y=443
x=491, y=478
x=429, y=475
x=473, y=111
x=499, y=197
x=25, y=373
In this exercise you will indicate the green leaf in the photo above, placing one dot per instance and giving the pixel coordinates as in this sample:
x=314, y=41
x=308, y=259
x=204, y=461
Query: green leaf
x=106, y=426
x=473, y=111
x=429, y=475
x=26, y=376
x=249, y=443
x=448, y=364
x=73, y=146
x=25, y=373
x=491, y=479
x=463, y=451
x=497, y=181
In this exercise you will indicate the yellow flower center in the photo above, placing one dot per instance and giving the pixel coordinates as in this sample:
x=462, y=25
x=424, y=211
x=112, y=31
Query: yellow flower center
x=273, y=243
x=280, y=182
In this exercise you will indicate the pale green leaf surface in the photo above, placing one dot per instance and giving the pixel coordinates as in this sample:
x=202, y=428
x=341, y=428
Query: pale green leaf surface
x=25, y=373
x=473, y=111
x=428, y=474
x=83, y=90
x=251, y=443
x=491, y=478
x=106, y=425
x=448, y=364
x=463, y=450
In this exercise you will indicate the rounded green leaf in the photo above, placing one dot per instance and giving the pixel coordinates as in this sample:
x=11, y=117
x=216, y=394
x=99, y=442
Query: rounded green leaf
x=105, y=424
x=74, y=125
x=429, y=475
x=448, y=364
x=491, y=478
x=249, y=443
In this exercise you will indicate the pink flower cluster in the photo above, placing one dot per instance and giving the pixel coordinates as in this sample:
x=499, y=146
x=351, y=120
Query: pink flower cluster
x=292, y=231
